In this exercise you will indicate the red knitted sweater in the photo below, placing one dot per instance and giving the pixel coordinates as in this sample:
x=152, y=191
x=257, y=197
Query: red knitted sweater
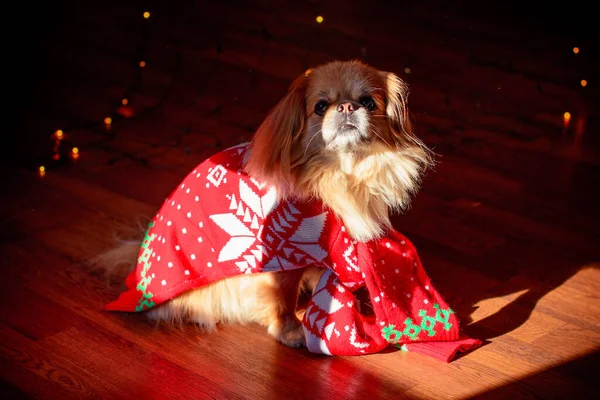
x=220, y=222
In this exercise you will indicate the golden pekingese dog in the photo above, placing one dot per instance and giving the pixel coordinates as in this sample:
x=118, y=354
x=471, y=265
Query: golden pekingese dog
x=341, y=135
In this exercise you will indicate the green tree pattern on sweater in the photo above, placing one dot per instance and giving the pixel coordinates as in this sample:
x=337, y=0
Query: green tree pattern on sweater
x=427, y=324
x=145, y=301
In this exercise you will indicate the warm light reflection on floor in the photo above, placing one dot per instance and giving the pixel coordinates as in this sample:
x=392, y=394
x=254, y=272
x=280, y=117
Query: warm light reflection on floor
x=563, y=326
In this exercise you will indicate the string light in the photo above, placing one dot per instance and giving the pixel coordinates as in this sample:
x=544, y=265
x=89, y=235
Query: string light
x=576, y=50
x=125, y=111
x=583, y=83
x=319, y=19
x=107, y=123
x=566, y=118
x=58, y=137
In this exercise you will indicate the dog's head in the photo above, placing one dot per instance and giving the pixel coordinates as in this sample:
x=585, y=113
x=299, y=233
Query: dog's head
x=337, y=109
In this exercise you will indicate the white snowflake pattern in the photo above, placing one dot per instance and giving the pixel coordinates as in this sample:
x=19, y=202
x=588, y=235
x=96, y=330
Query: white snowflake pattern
x=216, y=175
x=250, y=240
x=350, y=258
x=354, y=342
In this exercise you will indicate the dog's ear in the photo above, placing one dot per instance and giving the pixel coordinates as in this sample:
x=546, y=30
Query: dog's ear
x=396, y=107
x=398, y=118
x=270, y=157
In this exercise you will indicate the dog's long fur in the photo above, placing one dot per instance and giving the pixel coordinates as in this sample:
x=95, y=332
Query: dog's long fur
x=362, y=176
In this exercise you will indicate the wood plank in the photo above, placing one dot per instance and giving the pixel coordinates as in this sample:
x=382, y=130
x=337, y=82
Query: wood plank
x=42, y=373
x=100, y=351
x=573, y=305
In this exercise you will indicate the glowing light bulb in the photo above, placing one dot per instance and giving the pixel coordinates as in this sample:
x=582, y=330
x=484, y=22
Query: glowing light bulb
x=566, y=119
x=59, y=134
x=108, y=120
x=124, y=101
x=583, y=83
x=146, y=14
x=42, y=170
x=319, y=19
x=142, y=64
x=56, y=156
x=75, y=150
x=576, y=50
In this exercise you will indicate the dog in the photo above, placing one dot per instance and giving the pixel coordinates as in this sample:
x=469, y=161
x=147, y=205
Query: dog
x=341, y=136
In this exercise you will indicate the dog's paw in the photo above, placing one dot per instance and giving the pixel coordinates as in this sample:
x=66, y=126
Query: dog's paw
x=289, y=332
x=294, y=337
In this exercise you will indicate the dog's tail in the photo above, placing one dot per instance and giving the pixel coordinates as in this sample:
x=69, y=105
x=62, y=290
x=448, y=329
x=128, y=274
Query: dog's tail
x=121, y=259
x=118, y=262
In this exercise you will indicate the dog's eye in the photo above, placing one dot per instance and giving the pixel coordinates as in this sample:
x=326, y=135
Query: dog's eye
x=368, y=102
x=321, y=107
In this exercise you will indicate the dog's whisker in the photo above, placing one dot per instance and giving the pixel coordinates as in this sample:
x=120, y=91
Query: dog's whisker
x=313, y=126
x=308, y=144
x=380, y=137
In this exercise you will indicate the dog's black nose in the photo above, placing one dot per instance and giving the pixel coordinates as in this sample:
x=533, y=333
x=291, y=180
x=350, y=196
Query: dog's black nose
x=346, y=108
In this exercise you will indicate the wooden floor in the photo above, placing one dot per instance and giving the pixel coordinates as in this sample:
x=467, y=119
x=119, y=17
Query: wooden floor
x=507, y=225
